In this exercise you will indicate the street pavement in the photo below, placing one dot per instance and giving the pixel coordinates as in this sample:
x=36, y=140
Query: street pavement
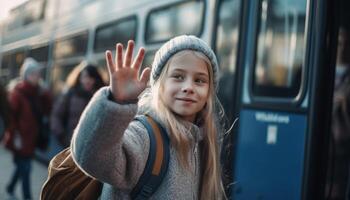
x=38, y=173
x=38, y=176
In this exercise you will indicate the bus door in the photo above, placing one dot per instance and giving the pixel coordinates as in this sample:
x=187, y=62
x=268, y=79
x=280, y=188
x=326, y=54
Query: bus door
x=280, y=125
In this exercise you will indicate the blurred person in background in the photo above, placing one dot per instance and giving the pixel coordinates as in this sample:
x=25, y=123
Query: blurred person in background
x=30, y=105
x=339, y=176
x=81, y=84
x=4, y=111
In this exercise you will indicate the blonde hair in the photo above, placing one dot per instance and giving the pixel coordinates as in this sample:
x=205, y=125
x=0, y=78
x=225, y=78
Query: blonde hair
x=211, y=184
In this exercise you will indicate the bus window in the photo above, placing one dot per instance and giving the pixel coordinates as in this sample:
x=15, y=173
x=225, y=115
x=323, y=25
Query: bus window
x=148, y=60
x=280, y=48
x=25, y=14
x=71, y=47
x=178, y=19
x=102, y=69
x=5, y=67
x=17, y=61
x=227, y=31
x=40, y=53
x=117, y=32
x=33, y=11
x=59, y=76
x=6, y=61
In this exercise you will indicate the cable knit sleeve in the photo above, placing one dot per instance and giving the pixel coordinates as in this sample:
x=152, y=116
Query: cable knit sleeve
x=108, y=145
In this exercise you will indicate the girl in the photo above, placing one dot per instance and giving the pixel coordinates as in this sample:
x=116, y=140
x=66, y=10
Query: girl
x=82, y=83
x=109, y=145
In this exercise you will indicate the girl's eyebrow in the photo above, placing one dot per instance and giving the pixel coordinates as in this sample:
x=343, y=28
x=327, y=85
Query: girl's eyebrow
x=178, y=69
x=182, y=70
x=202, y=74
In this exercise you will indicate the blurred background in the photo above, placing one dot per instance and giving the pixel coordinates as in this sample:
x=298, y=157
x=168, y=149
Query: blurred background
x=283, y=81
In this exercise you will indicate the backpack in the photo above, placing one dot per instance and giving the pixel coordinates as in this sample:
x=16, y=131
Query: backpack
x=66, y=181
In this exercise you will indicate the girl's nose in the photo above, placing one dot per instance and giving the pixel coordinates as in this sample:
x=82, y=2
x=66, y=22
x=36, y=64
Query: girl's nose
x=187, y=87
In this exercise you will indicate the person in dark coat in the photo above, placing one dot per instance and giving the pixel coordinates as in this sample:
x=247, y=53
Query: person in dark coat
x=29, y=103
x=4, y=111
x=82, y=83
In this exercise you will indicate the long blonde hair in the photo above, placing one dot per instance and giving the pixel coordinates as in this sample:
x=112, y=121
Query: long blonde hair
x=211, y=184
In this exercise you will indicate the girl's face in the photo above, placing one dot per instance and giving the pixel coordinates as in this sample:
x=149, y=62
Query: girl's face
x=186, y=86
x=86, y=81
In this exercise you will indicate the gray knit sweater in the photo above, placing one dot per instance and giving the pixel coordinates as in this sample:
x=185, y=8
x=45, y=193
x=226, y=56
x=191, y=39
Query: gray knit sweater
x=110, y=146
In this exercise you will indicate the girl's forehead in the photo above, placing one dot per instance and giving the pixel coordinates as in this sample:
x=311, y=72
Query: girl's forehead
x=184, y=56
x=188, y=60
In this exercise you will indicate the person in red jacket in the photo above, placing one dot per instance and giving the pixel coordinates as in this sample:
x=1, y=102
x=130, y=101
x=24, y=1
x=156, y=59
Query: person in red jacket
x=30, y=104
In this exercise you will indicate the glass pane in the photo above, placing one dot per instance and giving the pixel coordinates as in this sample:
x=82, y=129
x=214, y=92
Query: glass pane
x=59, y=75
x=227, y=32
x=121, y=31
x=33, y=11
x=148, y=60
x=5, y=61
x=15, y=19
x=280, y=48
x=5, y=68
x=40, y=53
x=17, y=61
x=102, y=68
x=71, y=47
x=184, y=18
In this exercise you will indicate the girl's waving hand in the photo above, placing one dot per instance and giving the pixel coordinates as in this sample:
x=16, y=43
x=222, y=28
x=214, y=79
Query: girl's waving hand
x=124, y=81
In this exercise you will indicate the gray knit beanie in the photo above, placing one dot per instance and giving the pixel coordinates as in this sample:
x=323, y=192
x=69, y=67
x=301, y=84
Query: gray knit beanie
x=177, y=44
x=29, y=66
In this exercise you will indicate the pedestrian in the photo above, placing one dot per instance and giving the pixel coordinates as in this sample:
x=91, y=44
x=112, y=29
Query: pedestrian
x=4, y=111
x=112, y=147
x=30, y=104
x=81, y=84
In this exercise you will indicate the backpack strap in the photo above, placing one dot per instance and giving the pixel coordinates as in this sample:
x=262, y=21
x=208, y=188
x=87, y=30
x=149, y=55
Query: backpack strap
x=157, y=162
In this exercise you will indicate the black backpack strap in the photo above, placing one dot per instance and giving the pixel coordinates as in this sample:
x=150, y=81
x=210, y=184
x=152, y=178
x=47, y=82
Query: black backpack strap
x=157, y=162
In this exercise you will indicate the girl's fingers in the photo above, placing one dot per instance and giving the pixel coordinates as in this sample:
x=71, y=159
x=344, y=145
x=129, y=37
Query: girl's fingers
x=119, y=56
x=110, y=64
x=145, y=75
x=128, y=54
x=139, y=58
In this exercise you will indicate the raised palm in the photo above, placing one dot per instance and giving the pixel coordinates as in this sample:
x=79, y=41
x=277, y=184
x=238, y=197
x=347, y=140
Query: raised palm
x=123, y=73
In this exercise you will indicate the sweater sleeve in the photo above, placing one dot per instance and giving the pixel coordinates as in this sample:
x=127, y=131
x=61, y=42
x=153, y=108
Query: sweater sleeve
x=108, y=145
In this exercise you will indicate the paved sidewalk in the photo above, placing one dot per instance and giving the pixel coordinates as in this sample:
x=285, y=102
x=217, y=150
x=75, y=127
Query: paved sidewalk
x=38, y=175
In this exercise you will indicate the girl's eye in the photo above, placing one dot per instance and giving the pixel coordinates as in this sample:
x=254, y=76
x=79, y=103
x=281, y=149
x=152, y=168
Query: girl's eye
x=200, y=80
x=177, y=77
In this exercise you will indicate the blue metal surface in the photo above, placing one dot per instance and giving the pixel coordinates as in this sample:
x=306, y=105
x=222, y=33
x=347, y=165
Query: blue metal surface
x=270, y=156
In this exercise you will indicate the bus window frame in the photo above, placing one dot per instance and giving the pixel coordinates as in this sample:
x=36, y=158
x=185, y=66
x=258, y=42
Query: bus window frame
x=70, y=36
x=164, y=7
x=112, y=23
x=238, y=61
x=297, y=99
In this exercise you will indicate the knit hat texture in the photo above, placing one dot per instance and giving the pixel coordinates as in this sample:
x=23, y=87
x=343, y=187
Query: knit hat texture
x=180, y=43
x=29, y=66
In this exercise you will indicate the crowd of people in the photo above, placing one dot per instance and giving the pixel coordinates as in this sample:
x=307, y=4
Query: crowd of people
x=28, y=115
